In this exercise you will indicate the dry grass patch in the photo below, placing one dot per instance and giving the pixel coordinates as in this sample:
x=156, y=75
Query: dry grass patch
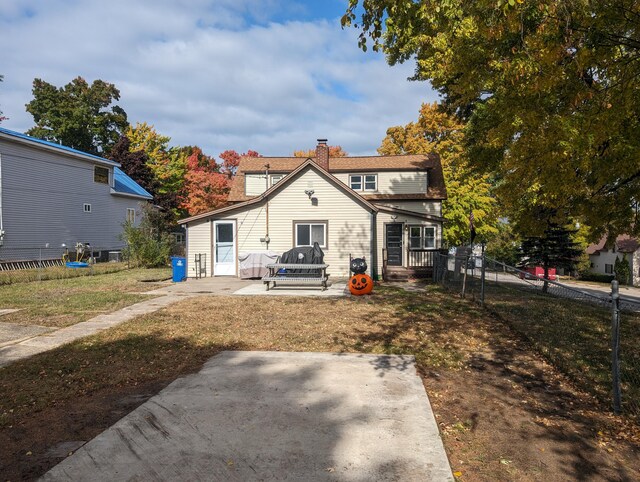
x=504, y=414
x=64, y=302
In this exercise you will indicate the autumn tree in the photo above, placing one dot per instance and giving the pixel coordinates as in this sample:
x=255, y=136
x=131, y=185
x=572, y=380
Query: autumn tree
x=437, y=131
x=134, y=165
x=547, y=89
x=231, y=159
x=78, y=115
x=206, y=188
x=334, y=151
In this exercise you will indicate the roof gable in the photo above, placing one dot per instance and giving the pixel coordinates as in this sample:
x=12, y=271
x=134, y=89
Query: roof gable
x=285, y=165
x=275, y=189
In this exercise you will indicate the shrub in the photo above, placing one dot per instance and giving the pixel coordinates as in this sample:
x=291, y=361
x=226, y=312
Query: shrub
x=600, y=278
x=622, y=270
x=149, y=244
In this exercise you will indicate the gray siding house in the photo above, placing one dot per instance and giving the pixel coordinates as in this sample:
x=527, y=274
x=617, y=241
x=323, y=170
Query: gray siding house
x=52, y=196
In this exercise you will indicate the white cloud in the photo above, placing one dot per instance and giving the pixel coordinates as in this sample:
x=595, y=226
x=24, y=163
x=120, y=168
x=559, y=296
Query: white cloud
x=204, y=73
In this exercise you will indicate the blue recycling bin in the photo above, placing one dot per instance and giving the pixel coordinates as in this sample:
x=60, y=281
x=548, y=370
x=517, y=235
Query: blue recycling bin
x=179, y=266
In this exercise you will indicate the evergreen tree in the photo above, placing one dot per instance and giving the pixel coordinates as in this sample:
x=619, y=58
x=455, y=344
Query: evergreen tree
x=554, y=249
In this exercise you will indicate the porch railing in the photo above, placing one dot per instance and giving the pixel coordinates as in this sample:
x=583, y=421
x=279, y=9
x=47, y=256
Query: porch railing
x=420, y=258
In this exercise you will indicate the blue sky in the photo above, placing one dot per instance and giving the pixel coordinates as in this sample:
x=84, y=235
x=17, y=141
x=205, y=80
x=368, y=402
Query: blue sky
x=268, y=75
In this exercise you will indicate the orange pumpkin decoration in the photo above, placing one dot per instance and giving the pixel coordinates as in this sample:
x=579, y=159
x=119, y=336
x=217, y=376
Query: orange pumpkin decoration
x=360, y=284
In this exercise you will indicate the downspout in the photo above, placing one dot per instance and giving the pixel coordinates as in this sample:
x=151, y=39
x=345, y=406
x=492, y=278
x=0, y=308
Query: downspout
x=374, y=246
x=266, y=235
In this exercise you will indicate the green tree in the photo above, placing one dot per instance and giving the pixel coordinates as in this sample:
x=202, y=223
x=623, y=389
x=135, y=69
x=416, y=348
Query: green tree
x=149, y=244
x=437, y=131
x=622, y=270
x=78, y=115
x=548, y=89
x=554, y=249
x=504, y=246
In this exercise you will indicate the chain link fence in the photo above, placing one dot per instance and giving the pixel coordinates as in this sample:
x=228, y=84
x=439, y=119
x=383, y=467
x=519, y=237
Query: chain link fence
x=591, y=334
x=27, y=264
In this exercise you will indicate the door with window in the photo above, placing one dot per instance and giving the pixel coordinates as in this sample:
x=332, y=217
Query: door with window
x=393, y=243
x=224, y=248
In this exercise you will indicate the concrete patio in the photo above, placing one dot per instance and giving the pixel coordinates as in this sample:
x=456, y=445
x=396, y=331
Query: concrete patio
x=275, y=416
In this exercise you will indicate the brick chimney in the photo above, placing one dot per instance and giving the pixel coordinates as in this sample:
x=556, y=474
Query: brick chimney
x=322, y=154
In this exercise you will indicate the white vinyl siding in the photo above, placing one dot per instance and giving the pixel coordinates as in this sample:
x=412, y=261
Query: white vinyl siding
x=198, y=242
x=348, y=223
x=255, y=184
x=408, y=221
x=394, y=182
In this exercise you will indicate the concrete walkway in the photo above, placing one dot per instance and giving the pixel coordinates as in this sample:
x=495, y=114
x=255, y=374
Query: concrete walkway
x=11, y=352
x=275, y=416
x=18, y=342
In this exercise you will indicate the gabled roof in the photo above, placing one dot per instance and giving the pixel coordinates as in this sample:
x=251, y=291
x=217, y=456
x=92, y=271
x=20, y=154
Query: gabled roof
x=35, y=142
x=124, y=185
x=306, y=164
x=284, y=165
x=623, y=243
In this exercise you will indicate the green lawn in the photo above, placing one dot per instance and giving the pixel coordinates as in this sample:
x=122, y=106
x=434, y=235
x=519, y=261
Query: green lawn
x=64, y=302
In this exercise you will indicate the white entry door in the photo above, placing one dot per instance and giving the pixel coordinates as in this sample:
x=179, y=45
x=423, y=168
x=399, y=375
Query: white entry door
x=224, y=248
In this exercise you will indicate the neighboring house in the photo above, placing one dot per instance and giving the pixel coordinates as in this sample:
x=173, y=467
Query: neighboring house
x=603, y=256
x=385, y=208
x=53, y=196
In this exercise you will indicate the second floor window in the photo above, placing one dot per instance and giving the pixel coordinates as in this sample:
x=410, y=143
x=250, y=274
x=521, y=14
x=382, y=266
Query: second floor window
x=275, y=178
x=131, y=215
x=363, y=182
x=101, y=174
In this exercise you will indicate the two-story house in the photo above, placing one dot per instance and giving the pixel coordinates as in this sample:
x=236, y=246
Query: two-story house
x=385, y=208
x=52, y=197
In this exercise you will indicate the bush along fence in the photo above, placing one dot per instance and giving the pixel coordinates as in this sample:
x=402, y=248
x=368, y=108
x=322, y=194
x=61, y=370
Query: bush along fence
x=593, y=337
x=27, y=264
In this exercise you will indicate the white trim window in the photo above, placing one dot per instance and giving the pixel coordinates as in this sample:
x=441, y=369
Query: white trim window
x=422, y=237
x=86, y=207
x=363, y=182
x=276, y=178
x=131, y=215
x=101, y=174
x=608, y=268
x=308, y=233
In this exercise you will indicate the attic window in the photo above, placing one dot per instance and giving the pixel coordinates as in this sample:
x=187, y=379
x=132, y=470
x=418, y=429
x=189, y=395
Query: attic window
x=101, y=174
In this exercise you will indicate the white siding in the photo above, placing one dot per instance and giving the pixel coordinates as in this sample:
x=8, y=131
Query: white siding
x=384, y=218
x=255, y=184
x=394, y=182
x=198, y=242
x=424, y=207
x=349, y=223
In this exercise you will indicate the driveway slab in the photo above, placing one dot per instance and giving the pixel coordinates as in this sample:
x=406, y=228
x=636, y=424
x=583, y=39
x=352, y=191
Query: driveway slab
x=275, y=416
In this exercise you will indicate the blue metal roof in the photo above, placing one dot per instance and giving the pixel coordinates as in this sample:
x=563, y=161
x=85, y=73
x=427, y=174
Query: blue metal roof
x=125, y=185
x=35, y=140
